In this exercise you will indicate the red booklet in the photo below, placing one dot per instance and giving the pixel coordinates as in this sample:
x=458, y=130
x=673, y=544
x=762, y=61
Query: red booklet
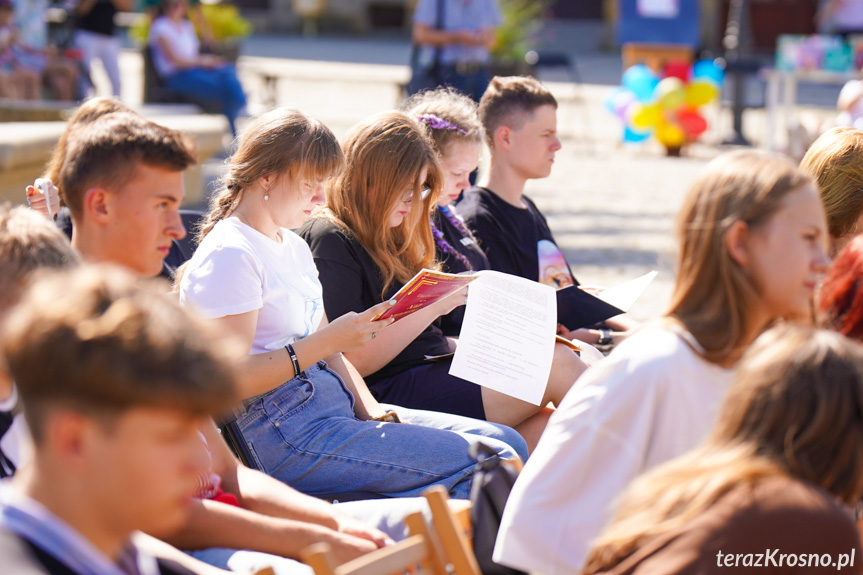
x=424, y=289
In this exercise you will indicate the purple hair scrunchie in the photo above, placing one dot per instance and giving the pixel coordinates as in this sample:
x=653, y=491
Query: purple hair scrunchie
x=438, y=123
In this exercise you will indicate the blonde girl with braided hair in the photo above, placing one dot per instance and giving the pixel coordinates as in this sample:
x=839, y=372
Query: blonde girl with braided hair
x=308, y=418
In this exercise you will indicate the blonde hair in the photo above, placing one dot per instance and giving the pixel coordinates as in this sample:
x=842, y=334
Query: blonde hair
x=453, y=108
x=835, y=161
x=795, y=409
x=283, y=142
x=714, y=297
x=386, y=155
x=28, y=242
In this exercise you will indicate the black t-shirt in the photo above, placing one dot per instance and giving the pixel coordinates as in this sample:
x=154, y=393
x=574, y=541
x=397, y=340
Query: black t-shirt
x=99, y=20
x=516, y=240
x=450, y=324
x=463, y=244
x=352, y=282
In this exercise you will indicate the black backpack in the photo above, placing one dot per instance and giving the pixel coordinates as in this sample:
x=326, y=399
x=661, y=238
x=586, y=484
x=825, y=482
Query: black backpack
x=492, y=482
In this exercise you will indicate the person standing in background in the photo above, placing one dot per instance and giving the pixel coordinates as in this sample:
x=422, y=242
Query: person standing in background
x=456, y=35
x=95, y=35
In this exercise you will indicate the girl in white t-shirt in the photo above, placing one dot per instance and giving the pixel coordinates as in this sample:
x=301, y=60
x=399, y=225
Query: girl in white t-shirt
x=309, y=422
x=753, y=236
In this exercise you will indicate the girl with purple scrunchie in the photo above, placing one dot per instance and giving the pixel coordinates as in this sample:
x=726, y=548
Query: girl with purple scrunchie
x=453, y=125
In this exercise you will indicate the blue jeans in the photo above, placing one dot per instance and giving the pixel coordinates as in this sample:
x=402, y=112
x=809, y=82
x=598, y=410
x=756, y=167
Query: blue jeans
x=305, y=434
x=473, y=84
x=219, y=85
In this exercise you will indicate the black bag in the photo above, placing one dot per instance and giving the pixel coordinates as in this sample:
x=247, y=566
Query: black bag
x=426, y=76
x=489, y=491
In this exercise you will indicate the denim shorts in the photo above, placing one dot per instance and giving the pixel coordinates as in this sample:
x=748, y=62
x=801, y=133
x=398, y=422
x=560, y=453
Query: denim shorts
x=305, y=434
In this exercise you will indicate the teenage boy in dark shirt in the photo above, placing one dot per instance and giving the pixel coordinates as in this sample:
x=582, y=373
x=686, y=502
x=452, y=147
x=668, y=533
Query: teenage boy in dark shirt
x=519, y=119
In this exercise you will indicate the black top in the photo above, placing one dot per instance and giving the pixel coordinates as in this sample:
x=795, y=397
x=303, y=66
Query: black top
x=461, y=243
x=450, y=324
x=100, y=19
x=516, y=240
x=352, y=282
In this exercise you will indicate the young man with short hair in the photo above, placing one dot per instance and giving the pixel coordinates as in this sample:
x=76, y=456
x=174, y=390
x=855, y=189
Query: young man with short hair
x=519, y=119
x=123, y=182
x=116, y=381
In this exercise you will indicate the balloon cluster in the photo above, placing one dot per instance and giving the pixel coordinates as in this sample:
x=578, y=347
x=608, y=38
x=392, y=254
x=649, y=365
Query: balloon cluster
x=666, y=105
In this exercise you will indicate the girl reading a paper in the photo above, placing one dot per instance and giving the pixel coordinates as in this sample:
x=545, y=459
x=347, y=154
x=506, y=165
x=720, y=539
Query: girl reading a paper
x=373, y=236
x=308, y=418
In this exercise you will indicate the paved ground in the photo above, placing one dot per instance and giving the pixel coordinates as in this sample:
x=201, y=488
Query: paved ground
x=611, y=207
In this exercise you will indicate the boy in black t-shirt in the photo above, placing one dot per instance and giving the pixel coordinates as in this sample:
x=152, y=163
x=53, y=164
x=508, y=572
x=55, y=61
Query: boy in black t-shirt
x=519, y=119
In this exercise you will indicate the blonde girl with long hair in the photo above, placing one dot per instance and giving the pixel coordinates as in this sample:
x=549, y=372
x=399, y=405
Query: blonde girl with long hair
x=373, y=236
x=752, y=238
x=835, y=162
x=308, y=418
x=782, y=469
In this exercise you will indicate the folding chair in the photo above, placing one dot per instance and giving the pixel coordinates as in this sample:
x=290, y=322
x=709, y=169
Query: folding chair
x=416, y=554
x=453, y=529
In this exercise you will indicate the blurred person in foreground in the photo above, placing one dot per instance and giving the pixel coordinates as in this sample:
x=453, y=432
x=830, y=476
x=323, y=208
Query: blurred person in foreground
x=116, y=381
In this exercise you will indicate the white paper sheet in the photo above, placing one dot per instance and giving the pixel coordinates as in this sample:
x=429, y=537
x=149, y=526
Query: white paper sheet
x=624, y=295
x=507, y=337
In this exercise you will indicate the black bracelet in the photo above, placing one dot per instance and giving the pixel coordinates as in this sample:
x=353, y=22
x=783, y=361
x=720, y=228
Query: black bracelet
x=294, y=359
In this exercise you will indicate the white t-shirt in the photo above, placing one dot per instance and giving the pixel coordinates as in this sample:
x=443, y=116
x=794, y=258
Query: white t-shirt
x=237, y=269
x=651, y=400
x=180, y=37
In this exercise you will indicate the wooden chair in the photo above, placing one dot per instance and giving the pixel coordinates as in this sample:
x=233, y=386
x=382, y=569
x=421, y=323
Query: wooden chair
x=453, y=530
x=417, y=554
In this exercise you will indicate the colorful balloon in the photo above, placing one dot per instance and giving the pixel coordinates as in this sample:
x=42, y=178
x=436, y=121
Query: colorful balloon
x=708, y=70
x=670, y=135
x=643, y=116
x=676, y=69
x=622, y=102
x=691, y=122
x=670, y=93
x=701, y=92
x=641, y=81
x=631, y=136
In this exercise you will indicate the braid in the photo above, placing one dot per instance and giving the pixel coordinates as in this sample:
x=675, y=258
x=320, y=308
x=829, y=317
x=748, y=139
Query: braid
x=458, y=222
x=221, y=206
x=446, y=247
